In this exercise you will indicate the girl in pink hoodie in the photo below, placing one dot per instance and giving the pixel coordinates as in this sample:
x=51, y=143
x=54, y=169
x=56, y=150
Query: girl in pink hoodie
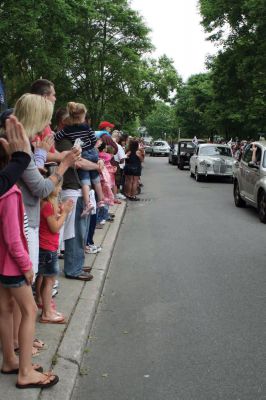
x=16, y=277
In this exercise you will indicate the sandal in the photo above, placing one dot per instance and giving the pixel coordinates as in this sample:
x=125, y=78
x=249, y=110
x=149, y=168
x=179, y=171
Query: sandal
x=45, y=383
x=57, y=319
x=34, y=351
x=39, y=344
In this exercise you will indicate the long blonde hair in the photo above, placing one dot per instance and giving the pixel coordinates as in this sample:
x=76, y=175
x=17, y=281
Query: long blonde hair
x=34, y=112
x=76, y=113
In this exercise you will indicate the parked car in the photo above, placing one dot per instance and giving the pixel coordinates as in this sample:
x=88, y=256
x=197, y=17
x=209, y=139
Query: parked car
x=148, y=148
x=212, y=160
x=185, y=150
x=250, y=179
x=172, y=157
x=160, y=148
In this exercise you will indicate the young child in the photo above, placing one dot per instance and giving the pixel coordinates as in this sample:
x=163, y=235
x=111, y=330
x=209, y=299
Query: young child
x=76, y=127
x=106, y=182
x=52, y=219
x=16, y=277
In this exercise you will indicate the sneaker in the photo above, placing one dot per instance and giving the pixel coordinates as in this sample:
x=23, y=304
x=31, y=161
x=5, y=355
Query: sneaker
x=120, y=196
x=93, y=249
x=56, y=284
x=54, y=292
x=102, y=222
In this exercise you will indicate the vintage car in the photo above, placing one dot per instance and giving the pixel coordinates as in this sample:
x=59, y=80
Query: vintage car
x=212, y=160
x=250, y=179
x=185, y=150
x=172, y=157
x=160, y=148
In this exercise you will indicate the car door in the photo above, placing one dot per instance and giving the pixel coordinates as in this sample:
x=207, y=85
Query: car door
x=248, y=175
x=254, y=175
x=193, y=160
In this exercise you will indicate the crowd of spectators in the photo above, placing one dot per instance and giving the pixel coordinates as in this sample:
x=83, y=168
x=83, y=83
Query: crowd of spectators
x=56, y=188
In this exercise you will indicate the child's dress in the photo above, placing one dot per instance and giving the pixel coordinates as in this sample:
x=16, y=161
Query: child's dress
x=106, y=157
x=106, y=182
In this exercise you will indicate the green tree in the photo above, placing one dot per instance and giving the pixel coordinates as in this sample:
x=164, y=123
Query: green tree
x=239, y=72
x=161, y=123
x=195, y=107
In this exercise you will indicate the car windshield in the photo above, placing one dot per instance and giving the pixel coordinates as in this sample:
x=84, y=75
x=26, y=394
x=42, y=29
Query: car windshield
x=187, y=146
x=159, y=144
x=215, y=151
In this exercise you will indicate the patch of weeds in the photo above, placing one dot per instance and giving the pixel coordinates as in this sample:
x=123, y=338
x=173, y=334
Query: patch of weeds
x=83, y=371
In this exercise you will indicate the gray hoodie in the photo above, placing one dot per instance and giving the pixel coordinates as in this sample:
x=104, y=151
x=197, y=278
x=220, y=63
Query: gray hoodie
x=34, y=187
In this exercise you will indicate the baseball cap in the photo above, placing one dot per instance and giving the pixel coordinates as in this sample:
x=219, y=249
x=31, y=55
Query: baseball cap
x=106, y=124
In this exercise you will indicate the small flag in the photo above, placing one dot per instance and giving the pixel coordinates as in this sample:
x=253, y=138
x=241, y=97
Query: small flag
x=195, y=141
x=2, y=93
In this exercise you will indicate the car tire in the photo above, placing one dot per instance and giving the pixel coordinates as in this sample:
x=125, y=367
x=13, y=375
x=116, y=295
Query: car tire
x=239, y=202
x=197, y=176
x=262, y=207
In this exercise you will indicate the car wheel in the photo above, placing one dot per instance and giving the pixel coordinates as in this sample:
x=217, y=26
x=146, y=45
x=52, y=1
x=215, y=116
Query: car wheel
x=239, y=202
x=197, y=176
x=262, y=207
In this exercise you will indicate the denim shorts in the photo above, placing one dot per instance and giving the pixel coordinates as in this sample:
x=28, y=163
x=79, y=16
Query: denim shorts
x=10, y=282
x=48, y=263
x=89, y=177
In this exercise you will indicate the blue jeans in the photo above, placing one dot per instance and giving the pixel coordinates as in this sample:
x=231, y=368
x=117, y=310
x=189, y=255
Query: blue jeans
x=74, y=255
x=92, y=226
x=102, y=213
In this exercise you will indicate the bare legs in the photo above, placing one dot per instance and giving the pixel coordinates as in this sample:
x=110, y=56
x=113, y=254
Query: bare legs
x=131, y=184
x=24, y=298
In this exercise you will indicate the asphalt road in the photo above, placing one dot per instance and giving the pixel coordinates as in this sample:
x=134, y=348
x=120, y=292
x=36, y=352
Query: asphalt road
x=182, y=315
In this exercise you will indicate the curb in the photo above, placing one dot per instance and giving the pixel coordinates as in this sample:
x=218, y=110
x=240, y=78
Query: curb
x=69, y=354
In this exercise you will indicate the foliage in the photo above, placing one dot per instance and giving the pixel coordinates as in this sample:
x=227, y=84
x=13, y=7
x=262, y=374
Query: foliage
x=239, y=73
x=195, y=107
x=161, y=122
x=95, y=51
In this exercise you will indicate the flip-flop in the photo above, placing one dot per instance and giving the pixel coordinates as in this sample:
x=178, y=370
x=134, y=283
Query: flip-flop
x=16, y=370
x=59, y=319
x=40, y=384
x=39, y=344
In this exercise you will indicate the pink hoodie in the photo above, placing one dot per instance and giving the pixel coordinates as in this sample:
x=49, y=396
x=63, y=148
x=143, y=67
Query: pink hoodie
x=14, y=256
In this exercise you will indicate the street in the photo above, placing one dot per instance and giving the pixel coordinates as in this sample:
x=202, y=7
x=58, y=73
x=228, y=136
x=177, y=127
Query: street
x=182, y=313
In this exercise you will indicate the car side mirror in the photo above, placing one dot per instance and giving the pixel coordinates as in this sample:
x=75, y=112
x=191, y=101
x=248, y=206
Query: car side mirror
x=253, y=165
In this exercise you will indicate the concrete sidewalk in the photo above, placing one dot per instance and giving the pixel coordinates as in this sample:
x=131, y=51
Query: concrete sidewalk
x=66, y=343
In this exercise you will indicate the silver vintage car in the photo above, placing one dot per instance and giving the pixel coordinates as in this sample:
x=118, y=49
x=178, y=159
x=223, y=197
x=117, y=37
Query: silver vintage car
x=250, y=178
x=212, y=160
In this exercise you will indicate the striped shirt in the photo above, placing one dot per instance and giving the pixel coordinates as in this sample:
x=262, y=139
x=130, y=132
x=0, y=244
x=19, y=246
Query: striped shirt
x=79, y=131
x=26, y=226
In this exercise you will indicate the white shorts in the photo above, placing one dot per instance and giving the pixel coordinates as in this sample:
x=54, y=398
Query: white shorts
x=33, y=242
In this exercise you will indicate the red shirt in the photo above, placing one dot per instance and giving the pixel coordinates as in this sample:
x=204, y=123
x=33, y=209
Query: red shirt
x=48, y=239
x=46, y=132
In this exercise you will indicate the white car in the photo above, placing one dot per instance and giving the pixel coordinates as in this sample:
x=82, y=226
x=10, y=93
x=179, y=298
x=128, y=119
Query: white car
x=160, y=148
x=212, y=160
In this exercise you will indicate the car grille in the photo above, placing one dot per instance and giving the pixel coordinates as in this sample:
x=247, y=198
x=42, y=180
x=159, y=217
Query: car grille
x=220, y=167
